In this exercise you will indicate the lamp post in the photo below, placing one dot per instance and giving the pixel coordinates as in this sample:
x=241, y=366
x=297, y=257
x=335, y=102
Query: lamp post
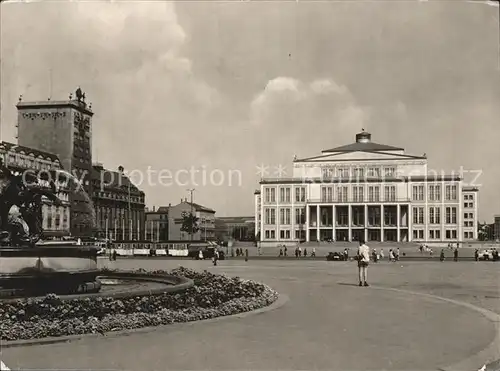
x=192, y=217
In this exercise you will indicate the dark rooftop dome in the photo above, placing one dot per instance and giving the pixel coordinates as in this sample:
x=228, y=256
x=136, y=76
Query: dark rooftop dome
x=364, y=143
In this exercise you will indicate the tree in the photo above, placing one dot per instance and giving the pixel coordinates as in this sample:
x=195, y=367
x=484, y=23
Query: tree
x=190, y=224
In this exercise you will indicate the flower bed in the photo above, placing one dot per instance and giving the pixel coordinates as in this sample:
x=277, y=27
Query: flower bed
x=211, y=296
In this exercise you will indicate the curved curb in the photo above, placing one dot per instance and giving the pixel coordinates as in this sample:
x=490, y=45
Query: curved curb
x=488, y=355
x=279, y=302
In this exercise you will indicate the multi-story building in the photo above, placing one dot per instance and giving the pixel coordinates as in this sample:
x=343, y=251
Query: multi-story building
x=241, y=228
x=20, y=159
x=157, y=224
x=119, y=205
x=63, y=128
x=369, y=191
x=206, y=221
x=470, y=197
x=258, y=213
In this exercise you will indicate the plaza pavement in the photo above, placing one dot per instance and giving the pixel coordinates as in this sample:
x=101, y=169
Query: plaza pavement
x=415, y=316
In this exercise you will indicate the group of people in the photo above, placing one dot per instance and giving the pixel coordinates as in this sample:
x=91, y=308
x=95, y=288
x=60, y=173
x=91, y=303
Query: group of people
x=298, y=252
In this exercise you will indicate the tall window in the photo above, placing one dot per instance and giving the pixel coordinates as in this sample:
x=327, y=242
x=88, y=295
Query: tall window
x=327, y=173
x=374, y=172
x=270, y=194
x=288, y=217
x=359, y=172
x=282, y=216
x=418, y=193
x=300, y=194
x=435, y=215
x=342, y=193
x=373, y=193
x=270, y=215
x=285, y=215
x=300, y=217
x=343, y=172
x=287, y=195
x=451, y=215
x=327, y=194
x=418, y=215
x=451, y=192
x=390, y=193
x=358, y=193
x=389, y=172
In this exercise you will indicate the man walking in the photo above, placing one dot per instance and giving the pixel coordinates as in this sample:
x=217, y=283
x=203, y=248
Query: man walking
x=363, y=261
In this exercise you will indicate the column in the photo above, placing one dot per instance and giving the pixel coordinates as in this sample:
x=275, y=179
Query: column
x=366, y=222
x=317, y=222
x=334, y=217
x=382, y=220
x=349, y=216
x=398, y=222
x=308, y=223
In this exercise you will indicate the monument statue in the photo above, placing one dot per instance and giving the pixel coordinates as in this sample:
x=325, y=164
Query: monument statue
x=79, y=94
x=21, y=207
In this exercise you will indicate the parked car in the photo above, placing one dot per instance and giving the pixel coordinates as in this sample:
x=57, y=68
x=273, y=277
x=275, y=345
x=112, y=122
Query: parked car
x=332, y=256
x=486, y=255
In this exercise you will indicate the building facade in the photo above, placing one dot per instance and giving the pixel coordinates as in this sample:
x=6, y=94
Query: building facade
x=157, y=224
x=369, y=191
x=119, y=205
x=20, y=159
x=63, y=128
x=496, y=228
x=206, y=222
x=241, y=228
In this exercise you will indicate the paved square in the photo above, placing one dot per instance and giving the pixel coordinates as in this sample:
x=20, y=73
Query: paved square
x=415, y=316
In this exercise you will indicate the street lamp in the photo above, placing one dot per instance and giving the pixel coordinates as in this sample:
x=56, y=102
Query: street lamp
x=192, y=218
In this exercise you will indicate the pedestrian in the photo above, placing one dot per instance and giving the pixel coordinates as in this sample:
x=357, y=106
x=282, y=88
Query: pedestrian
x=200, y=255
x=281, y=253
x=381, y=254
x=297, y=252
x=346, y=254
x=285, y=251
x=374, y=255
x=313, y=254
x=476, y=255
x=391, y=256
x=215, y=257
x=455, y=254
x=114, y=255
x=397, y=254
x=305, y=252
x=300, y=251
x=441, y=256
x=363, y=261
x=246, y=255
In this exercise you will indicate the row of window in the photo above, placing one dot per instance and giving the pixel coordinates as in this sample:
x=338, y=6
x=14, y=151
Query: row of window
x=28, y=162
x=285, y=216
x=358, y=172
x=270, y=234
x=468, y=223
x=435, y=234
x=469, y=197
x=340, y=193
x=468, y=205
x=119, y=196
x=434, y=192
x=434, y=215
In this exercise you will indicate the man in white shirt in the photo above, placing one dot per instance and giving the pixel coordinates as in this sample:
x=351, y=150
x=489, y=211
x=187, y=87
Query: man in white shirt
x=363, y=261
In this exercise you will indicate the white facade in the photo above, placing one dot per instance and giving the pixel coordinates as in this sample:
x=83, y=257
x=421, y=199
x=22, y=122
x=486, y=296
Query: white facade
x=366, y=191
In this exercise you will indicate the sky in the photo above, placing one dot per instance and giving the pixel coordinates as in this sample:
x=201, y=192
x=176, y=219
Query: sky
x=227, y=86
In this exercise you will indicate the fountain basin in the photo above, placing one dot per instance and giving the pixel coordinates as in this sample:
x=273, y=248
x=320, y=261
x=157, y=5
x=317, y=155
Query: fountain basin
x=60, y=269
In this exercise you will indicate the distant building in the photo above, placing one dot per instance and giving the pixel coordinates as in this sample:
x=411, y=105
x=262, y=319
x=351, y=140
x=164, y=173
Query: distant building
x=119, y=205
x=206, y=221
x=241, y=228
x=366, y=191
x=496, y=228
x=258, y=213
x=56, y=219
x=470, y=197
x=157, y=224
x=63, y=128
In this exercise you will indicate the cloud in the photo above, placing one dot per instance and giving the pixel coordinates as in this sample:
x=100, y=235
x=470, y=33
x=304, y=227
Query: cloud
x=291, y=100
